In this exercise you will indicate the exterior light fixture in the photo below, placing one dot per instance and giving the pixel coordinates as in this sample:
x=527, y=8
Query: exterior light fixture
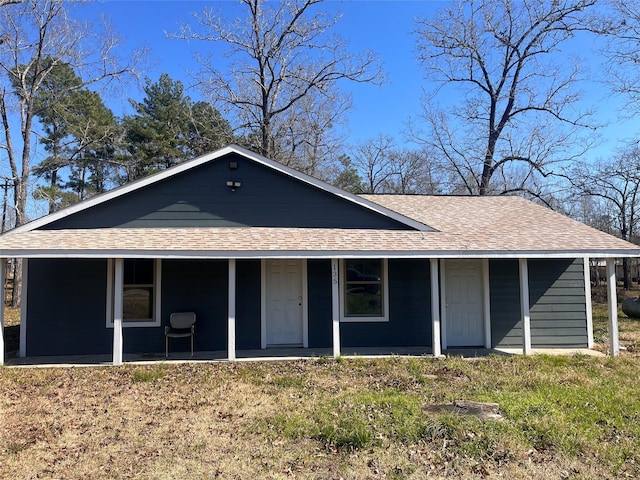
x=232, y=184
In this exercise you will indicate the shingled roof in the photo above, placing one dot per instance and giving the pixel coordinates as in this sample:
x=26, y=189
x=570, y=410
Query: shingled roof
x=474, y=227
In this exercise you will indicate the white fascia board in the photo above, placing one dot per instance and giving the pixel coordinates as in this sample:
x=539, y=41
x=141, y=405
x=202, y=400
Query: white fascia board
x=257, y=254
x=196, y=162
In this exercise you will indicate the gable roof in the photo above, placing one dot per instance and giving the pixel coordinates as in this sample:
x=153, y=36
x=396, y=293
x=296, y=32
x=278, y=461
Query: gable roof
x=438, y=227
x=506, y=223
x=471, y=227
x=213, y=156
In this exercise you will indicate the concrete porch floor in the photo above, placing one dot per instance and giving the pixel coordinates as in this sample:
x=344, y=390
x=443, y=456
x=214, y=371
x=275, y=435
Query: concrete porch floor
x=276, y=354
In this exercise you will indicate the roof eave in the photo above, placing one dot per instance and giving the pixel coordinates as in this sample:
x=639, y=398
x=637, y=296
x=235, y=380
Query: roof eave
x=315, y=254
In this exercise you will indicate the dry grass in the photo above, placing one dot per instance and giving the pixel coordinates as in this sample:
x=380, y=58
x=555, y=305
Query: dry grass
x=565, y=418
x=573, y=417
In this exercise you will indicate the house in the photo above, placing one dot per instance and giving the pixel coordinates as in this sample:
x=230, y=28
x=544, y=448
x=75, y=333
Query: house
x=268, y=257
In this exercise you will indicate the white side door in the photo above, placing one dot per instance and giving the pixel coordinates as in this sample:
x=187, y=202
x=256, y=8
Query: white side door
x=464, y=303
x=284, y=319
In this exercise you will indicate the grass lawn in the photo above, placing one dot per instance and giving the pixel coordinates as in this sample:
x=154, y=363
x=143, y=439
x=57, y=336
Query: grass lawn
x=564, y=417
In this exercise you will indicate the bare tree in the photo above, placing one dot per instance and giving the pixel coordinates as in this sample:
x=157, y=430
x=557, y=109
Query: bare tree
x=9, y=2
x=413, y=172
x=371, y=160
x=384, y=168
x=615, y=184
x=620, y=25
x=512, y=105
x=309, y=138
x=280, y=55
x=39, y=35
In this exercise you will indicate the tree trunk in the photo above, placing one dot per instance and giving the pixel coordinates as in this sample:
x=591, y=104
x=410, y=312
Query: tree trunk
x=626, y=269
x=16, y=292
x=52, y=198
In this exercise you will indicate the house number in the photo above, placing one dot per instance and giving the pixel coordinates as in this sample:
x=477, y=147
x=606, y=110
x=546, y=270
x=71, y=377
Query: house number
x=334, y=274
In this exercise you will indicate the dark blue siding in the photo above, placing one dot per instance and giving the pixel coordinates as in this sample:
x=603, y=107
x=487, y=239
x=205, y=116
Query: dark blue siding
x=200, y=198
x=248, y=278
x=319, y=289
x=198, y=286
x=409, y=311
x=66, y=308
x=506, y=318
x=557, y=303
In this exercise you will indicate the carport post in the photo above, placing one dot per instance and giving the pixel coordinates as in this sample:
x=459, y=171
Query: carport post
x=231, y=327
x=335, y=307
x=435, y=309
x=3, y=270
x=612, y=302
x=117, y=311
x=524, y=306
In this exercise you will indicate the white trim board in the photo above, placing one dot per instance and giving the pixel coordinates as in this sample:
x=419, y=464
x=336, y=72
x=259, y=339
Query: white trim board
x=385, y=296
x=157, y=298
x=231, y=310
x=3, y=271
x=486, y=293
x=524, y=306
x=435, y=308
x=588, y=305
x=316, y=254
x=23, y=308
x=443, y=305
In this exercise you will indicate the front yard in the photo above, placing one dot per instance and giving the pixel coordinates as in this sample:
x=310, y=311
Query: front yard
x=564, y=417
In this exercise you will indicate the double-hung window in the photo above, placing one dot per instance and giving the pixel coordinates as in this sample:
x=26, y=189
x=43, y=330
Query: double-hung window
x=364, y=293
x=140, y=292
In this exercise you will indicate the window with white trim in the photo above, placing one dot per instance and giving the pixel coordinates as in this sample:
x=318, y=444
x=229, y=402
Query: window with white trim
x=364, y=295
x=140, y=292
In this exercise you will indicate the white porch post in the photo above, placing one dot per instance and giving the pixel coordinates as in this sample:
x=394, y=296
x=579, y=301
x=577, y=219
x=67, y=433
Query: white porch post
x=612, y=301
x=22, y=352
x=435, y=309
x=335, y=307
x=486, y=294
x=524, y=306
x=3, y=269
x=443, y=302
x=117, y=311
x=231, y=339
x=587, y=298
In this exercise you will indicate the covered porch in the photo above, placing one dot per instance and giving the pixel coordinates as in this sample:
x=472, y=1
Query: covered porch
x=434, y=317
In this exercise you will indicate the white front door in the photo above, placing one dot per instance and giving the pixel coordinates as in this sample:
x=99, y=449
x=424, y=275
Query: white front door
x=464, y=303
x=284, y=302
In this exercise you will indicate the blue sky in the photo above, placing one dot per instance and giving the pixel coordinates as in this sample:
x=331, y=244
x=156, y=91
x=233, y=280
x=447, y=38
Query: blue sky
x=382, y=26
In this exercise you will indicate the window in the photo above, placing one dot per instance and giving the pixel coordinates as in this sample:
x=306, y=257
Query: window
x=364, y=296
x=140, y=292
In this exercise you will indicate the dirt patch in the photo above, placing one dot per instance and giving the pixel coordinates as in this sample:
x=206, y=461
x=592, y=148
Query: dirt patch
x=485, y=411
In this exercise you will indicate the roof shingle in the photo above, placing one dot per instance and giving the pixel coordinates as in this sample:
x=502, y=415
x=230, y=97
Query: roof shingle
x=466, y=226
